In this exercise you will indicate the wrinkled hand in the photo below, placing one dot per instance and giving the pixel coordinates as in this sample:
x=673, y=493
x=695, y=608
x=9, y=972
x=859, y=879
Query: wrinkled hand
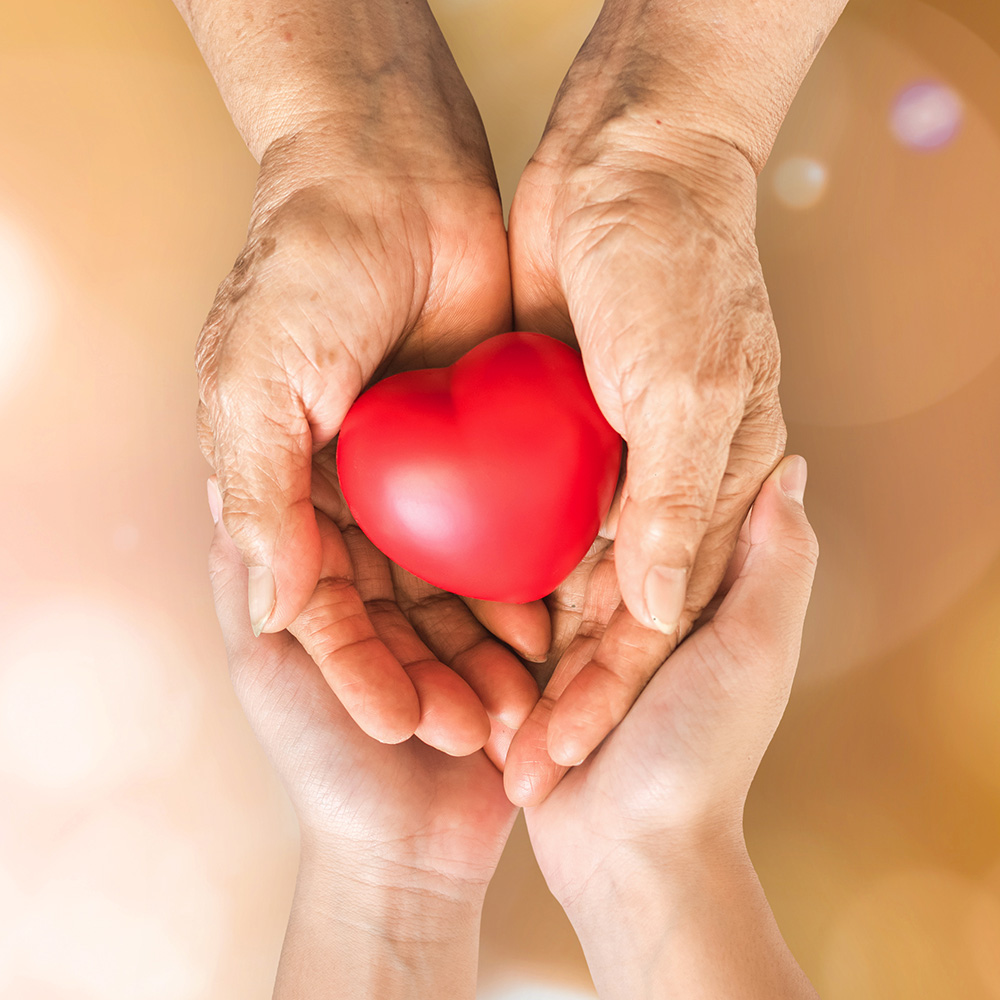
x=369, y=252
x=406, y=815
x=648, y=260
x=676, y=771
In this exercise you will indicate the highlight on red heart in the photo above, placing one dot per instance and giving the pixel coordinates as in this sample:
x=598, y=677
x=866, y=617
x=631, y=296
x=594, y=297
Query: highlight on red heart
x=489, y=478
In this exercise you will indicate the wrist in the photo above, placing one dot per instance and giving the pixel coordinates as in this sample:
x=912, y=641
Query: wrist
x=381, y=883
x=689, y=922
x=377, y=930
x=725, y=70
x=662, y=871
x=367, y=69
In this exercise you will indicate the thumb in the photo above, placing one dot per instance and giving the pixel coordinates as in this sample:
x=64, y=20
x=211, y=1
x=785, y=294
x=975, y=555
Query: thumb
x=678, y=452
x=765, y=608
x=263, y=446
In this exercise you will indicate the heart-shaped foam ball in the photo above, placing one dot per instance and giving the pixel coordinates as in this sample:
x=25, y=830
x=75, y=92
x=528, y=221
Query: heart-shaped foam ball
x=489, y=478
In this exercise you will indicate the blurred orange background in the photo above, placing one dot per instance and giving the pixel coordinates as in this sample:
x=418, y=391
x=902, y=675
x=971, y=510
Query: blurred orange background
x=147, y=851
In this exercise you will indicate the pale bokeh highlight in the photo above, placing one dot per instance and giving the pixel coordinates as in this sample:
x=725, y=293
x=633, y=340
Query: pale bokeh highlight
x=534, y=990
x=926, y=115
x=127, y=910
x=27, y=303
x=800, y=182
x=90, y=697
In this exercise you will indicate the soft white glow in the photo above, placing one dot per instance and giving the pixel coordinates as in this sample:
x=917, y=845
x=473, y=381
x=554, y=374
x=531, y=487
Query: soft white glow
x=926, y=115
x=12, y=904
x=127, y=911
x=533, y=990
x=91, y=694
x=26, y=297
x=800, y=182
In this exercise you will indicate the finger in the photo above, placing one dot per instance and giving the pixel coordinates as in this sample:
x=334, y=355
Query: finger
x=765, y=608
x=575, y=602
x=733, y=570
x=327, y=495
x=336, y=631
x=755, y=451
x=262, y=446
x=452, y=719
x=530, y=773
x=504, y=687
x=263, y=452
x=228, y=577
x=679, y=440
x=605, y=687
x=600, y=696
x=526, y=627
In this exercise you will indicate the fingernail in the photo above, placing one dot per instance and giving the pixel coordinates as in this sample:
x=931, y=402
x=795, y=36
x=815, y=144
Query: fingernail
x=665, y=589
x=214, y=501
x=535, y=658
x=261, y=595
x=793, y=477
x=568, y=758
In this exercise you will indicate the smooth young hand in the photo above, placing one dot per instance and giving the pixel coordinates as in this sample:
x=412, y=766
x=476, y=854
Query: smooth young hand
x=643, y=844
x=398, y=842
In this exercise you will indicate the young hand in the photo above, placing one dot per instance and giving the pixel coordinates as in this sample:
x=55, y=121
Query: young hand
x=642, y=844
x=398, y=842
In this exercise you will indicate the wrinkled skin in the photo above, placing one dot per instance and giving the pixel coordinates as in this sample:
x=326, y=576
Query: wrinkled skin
x=648, y=262
x=360, y=262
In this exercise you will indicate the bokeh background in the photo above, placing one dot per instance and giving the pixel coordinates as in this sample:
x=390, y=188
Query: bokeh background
x=146, y=850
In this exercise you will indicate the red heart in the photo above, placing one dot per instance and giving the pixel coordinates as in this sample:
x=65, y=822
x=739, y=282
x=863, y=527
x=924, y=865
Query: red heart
x=489, y=478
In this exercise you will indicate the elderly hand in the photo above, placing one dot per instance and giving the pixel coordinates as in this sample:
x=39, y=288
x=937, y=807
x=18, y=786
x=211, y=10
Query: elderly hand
x=649, y=259
x=643, y=843
x=632, y=232
x=376, y=244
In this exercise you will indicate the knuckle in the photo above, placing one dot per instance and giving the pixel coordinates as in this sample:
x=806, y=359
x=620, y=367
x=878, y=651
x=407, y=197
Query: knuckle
x=241, y=515
x=690, y=401
x=255, y=389
x=206, y=437
x=681, y=513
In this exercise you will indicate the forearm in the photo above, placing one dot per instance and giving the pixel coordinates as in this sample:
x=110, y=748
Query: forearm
x=350, y=939
x=697, y=929
x=725, y=68
x=284, y=66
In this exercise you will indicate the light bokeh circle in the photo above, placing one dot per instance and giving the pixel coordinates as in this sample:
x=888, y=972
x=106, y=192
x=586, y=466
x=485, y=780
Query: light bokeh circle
x=926, y=115
x=533, y=989
x=28, y=296
x=881, y=292
x=92, y=693
x=127, y=910
x=800, y=182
